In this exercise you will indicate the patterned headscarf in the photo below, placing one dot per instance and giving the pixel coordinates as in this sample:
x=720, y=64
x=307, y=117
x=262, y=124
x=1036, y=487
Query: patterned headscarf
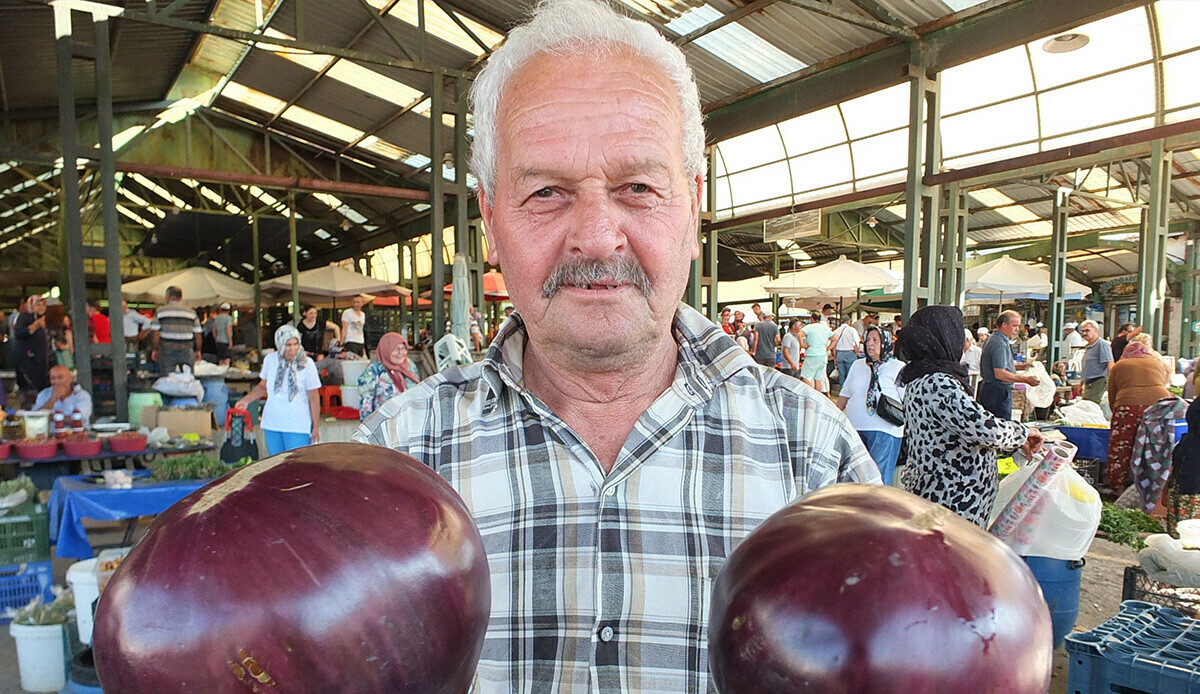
x=933, y=343
x=397, y=370
x=885, y=354
x=288, y=368
x=1137, y=349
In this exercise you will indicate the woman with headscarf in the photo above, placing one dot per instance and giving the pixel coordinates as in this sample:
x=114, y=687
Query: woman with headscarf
x=868, y=381
x=951, y=440
x=1135, y=383
x=388, y=376
x=291, y=415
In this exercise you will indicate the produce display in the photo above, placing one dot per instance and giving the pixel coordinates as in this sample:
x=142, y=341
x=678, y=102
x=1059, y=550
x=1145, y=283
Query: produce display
x=862, y=588
x=331, y=568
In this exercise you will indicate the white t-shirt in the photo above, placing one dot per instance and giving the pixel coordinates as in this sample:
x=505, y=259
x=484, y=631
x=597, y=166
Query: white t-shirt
x=354, y=325
x=972, y=357
x=847, y=338
x=855, y=389
x=280, y=414
x=791, y=344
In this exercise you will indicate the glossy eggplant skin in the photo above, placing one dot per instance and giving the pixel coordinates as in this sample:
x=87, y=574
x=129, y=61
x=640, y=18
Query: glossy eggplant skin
x=862, y=588
x=330, y=568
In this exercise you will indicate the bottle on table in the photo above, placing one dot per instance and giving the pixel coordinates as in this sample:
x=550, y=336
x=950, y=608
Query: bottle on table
x=77, y=421
x=59, y=427
x=14, y=427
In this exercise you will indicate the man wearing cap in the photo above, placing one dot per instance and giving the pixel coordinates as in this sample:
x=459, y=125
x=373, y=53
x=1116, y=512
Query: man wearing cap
x=1097, y=359
x=223, y=331
x=1072, y=340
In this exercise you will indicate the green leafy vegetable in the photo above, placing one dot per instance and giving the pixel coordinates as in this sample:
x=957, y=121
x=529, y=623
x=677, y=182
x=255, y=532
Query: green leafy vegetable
x=191, y=466
x=1127, y=525
x=10, y=487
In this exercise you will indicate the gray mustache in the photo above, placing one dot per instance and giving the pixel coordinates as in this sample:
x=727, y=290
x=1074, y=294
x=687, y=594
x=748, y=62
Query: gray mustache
x=581, y=272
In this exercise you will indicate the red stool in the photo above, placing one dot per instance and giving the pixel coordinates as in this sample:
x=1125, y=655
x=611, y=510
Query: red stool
x=331, y=396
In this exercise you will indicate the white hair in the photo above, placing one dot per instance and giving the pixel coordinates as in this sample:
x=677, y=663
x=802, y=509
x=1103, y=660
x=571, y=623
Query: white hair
x=1090, y=323
x=574, y=27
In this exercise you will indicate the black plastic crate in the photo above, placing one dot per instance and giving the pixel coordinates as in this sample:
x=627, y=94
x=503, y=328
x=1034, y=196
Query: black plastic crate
x=1090, y=469
x=1139, y=586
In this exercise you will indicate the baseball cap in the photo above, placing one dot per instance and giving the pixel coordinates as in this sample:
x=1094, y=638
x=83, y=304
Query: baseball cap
x=1070, y=326
x=982, y=331
x=225, y=306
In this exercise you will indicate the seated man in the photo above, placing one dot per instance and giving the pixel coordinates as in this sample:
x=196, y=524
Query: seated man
x=65, y=395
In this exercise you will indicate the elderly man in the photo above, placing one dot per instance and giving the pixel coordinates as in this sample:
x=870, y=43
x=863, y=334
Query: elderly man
x=1097, y=360
x=613, y=445
x=175, y=335
x=66, y=396
x=996, y=369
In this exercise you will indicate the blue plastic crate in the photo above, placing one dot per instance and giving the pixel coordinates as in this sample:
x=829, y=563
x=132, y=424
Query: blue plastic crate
x=1092, y=441
x=19, y=583
x=1144, y=649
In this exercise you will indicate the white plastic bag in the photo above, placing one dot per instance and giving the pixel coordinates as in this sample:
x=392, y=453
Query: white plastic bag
x=1041, y=395
x=1083, y=412
x=1064, y=521
x=1168, y=560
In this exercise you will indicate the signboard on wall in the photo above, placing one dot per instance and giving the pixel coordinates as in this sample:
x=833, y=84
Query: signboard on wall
x=792, y=226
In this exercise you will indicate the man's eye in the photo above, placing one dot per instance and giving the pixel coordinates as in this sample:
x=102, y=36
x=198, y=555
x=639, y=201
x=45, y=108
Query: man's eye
x=639, y=188
x=544, y=193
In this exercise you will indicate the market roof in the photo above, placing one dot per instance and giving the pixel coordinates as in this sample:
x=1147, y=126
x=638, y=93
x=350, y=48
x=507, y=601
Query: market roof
x=343, y=86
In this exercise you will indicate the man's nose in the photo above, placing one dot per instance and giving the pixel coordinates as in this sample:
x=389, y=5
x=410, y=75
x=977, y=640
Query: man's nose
x=596, y=226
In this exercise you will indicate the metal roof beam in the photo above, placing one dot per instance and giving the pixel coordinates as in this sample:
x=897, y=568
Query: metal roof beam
x=850, y=18
x=882, y=63
x=729, y=18
x=298, y=44
x=878, y=11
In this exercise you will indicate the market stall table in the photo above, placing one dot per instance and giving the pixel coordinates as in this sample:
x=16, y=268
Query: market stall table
x=76, y=497
x=43, y=471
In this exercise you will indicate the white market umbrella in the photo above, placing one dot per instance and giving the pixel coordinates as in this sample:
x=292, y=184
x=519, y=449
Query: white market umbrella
x=833, y=280
x=201, y=286
x=1006, y=279
x=333, y=282
x=461, y=287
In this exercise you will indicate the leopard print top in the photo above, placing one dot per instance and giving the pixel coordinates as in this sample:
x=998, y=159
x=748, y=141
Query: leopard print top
x=952, y=443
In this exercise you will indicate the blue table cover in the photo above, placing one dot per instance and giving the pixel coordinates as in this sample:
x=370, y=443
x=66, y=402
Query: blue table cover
x=76, y=497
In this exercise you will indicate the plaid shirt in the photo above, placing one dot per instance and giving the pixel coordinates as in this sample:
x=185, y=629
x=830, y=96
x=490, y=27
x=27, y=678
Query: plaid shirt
x=603, y=582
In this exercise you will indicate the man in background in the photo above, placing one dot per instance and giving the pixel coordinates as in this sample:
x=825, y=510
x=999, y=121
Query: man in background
x=1097, y=360
x=997, y=371
x=137, y=326
x=32, y=343
x=175, y=336
x=846, y=343
x=354, y=322
x=223, y=333
x=766, y=335
x=66, y=396
x=817, y=336
x=1124, y=334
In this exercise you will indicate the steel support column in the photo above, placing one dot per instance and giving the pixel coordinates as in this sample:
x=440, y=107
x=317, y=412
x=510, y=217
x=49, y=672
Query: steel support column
x=775, y=276
x=924, y=151
x=415, y=286
x=73, y=225
x=1190, y=319
x=1058, y=278
x=112, y=239
x=293, y=253
x=1152, y=271
x=258, y=322
x=437, y=211
x=710, y=236
x=465, y=236
x=952, y=261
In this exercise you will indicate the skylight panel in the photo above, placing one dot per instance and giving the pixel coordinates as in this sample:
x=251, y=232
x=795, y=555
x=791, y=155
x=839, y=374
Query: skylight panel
x=886, y=109
x=160, y=191
x=880, y=154
x=752, y=149
x=216, y=197
x=322, y=234
x=1003, y=205
x=813, y=131
x=27, y=234
x=990, y=128
x=134, y=216
x=142, y=202
x=387, y=150
x=439, y=24
x=1181, y=85
x=26, y=205
x=737, y=45
x=1177, y=22
x=819, y=169
x=1102, y=101
x=986, y=80
x=253, y=98
x=321, y=124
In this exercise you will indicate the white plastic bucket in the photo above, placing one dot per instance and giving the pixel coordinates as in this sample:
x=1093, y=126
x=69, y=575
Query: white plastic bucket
x=351, y=370
x=41, y=656
x=81, y=576
x=351, y=397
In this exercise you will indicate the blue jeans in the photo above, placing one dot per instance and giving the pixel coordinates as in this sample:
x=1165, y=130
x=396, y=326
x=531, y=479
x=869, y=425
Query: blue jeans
x=996, y=399
x=280, y=441
x=884, y=448
x=845, y=359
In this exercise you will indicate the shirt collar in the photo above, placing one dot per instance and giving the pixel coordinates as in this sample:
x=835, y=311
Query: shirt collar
x=708, y=356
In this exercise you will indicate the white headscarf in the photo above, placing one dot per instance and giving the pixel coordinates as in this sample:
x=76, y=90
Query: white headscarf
x=288, y=368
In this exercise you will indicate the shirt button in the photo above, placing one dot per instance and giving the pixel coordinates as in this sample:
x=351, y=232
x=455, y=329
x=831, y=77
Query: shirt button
x=611, y=491
x=606, y=634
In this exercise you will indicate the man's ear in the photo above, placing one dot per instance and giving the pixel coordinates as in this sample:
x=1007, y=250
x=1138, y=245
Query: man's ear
x=485, y=213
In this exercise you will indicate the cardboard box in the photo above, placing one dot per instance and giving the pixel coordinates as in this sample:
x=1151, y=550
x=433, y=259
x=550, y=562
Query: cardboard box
x=180, y=420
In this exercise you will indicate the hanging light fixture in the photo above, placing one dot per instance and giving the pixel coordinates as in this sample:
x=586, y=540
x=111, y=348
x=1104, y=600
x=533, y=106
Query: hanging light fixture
x=1065, y=43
